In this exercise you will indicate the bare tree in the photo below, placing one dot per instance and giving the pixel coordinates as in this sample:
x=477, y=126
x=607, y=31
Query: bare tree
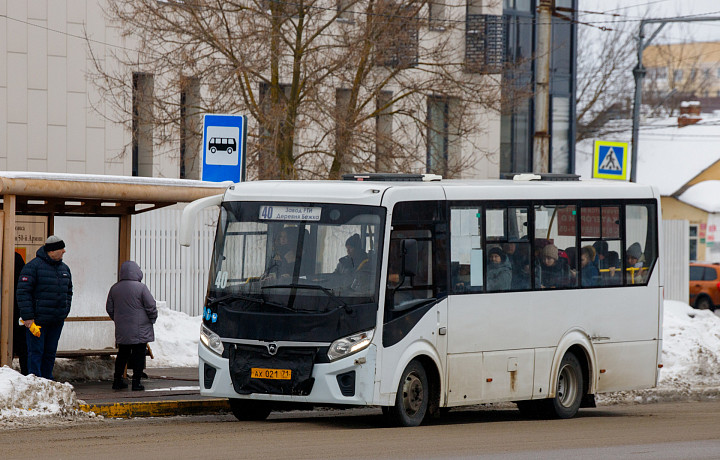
x=677, y=72
x=318, y=79
x=605, y=60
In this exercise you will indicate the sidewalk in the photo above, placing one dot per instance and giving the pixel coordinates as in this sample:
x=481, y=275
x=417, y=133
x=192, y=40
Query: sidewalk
x=168, y=392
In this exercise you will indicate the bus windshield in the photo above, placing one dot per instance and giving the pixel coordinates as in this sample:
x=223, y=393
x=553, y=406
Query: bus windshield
x=287, y=258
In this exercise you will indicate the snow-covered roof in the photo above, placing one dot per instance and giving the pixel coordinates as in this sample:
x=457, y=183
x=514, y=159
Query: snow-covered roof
x=668, y=156
x=703, y=195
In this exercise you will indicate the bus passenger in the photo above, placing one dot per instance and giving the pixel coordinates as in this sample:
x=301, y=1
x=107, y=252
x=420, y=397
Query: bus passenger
x=589, y=272
x=551, y=271
x=519, y=256
x=283, y=258
x=634, y=264
x=355, y=259
x=499, y=271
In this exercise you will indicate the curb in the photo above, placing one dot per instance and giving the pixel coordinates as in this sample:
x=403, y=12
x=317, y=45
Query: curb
x=158, y=408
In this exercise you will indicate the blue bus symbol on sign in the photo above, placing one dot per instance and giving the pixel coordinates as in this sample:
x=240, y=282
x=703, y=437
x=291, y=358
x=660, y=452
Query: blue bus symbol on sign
x=223, y=148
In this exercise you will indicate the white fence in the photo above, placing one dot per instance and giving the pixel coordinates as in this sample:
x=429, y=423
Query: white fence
x=175, y=274
x=676, y=254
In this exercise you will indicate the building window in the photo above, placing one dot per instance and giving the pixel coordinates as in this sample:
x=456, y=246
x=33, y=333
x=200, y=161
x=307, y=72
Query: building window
x=484, y=42
x=190, y=129
x=345, y=10
x=383, y=132
x=437, y=134
x=693, y=242
x=677, y=75
x=659, y=73
x=437, y=14
x=142, y=124
x=399, y=46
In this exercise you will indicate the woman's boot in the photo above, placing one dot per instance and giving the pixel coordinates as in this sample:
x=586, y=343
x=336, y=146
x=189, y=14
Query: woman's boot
x=119, y=383
x=137, y=386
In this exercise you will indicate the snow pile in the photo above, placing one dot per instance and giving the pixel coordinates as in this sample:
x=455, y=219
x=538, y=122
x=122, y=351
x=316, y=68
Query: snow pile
x=176, y=339
x=30, y=396
x=691, y=347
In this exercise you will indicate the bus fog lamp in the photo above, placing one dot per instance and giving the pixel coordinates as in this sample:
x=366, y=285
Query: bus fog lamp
x=211, y=340
x=350, y=344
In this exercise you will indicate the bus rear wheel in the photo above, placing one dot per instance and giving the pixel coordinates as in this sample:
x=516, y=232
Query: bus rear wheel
x=569, y=390
x=411, y=401
x=248, y=409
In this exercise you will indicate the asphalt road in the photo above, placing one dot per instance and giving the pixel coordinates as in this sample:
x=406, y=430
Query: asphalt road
x=682, y=430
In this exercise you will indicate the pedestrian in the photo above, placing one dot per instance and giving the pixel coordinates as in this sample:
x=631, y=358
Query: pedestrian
x=44, y=296
x=132, y=308
x=19, y=339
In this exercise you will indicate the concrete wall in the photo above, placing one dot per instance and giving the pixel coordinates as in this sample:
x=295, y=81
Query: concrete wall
x=51, y=118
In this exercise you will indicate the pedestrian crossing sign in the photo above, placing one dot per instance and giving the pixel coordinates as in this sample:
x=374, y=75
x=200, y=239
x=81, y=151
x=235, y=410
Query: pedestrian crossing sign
x=610, y=160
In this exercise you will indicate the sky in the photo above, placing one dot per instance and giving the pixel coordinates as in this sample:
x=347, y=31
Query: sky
x=634, y=10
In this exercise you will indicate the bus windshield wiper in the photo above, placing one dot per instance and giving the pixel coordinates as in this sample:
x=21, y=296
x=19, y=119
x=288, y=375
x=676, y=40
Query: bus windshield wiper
x=239, y=296
x=315, y=287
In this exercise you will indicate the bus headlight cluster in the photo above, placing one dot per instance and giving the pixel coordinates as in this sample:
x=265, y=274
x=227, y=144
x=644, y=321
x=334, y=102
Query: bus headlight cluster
x=350, y=344
x=211, y=340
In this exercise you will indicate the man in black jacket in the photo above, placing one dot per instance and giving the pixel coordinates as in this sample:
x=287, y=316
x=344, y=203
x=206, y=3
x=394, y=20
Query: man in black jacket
x=44, y=296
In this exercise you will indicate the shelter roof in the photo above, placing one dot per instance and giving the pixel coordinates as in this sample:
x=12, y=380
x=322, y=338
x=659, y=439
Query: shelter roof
x=88, y=194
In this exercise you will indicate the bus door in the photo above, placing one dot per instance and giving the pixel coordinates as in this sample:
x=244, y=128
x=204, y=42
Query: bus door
x=489, y=357
x=416, y=284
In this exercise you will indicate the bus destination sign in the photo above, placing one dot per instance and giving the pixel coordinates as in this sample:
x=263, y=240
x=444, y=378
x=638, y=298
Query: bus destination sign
x=290, y=213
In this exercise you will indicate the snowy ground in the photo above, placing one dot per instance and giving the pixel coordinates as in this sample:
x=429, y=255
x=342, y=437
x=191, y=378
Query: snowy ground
x=691, y=358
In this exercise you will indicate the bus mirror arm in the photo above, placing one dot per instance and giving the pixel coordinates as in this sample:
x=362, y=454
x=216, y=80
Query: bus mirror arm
x=409, y=258
x=189, y=215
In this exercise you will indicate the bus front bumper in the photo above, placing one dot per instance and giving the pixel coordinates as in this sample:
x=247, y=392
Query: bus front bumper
x=331, y=380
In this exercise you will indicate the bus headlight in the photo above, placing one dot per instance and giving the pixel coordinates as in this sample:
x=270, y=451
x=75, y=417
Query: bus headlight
x=350, y=344
x=211, y=340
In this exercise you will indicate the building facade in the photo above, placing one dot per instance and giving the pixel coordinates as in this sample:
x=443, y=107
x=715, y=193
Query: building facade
x=518, y=112
x=57, y=115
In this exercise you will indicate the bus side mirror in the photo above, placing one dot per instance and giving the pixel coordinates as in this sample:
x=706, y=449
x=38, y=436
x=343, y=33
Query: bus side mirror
x=409, y=257
x=190, y=214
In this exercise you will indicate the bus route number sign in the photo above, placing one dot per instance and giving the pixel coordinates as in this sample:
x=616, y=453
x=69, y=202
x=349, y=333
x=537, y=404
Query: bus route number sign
x=290, y=213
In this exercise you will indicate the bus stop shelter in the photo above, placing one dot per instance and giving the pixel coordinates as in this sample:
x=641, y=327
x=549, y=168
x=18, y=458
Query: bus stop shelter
x=51, y=195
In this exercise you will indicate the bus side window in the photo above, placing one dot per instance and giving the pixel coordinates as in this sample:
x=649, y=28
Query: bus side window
x=554, y=232
x=640, y=251
x=466, y=251
x=600, y=230
x=416, y=223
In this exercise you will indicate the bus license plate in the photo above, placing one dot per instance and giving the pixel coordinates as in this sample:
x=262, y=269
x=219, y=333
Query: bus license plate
x=274, y=374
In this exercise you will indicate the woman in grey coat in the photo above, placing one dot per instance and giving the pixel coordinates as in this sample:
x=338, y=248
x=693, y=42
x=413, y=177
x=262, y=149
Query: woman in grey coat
x=132, y=308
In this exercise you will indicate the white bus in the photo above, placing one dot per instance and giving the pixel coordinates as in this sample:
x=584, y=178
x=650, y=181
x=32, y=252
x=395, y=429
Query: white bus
x=420, y=295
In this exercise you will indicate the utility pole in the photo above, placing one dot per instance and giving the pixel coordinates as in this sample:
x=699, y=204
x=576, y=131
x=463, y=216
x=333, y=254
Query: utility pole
x=541, y=138
x=639, y=74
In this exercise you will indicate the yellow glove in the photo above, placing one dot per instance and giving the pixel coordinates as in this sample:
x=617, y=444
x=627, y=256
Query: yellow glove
x=35, y=330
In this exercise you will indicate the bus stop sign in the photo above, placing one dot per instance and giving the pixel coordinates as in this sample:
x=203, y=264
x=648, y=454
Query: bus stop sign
x=223, y=148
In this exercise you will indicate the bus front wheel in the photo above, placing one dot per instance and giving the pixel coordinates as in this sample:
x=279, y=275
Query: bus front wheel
x=569, y=390
x=248, y=409
x=411, y=401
